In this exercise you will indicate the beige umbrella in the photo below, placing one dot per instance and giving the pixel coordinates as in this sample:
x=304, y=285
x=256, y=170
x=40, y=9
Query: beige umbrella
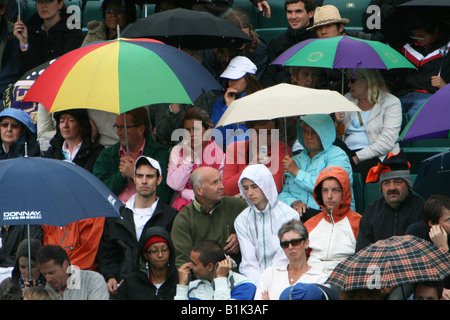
x=285, y=100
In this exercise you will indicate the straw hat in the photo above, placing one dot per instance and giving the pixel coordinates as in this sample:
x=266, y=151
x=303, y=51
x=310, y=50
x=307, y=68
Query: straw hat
x=327, y=14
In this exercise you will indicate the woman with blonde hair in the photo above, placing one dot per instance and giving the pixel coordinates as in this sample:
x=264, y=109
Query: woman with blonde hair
x=372, y=132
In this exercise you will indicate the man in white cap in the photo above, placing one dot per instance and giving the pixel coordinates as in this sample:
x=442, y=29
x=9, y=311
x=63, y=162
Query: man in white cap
x=117, y=254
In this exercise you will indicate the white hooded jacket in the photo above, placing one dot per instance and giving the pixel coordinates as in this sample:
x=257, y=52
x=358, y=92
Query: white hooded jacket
x=257, y=231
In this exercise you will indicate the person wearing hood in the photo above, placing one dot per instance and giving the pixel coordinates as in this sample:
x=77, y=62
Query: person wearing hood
x=72, y=140
x=20, y=276
x=18, y=135
x=158, y=278
x=316, y=133
x=332, y=232
x=257, y=226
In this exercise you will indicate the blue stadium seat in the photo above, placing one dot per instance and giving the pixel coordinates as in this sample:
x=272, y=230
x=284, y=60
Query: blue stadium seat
x=350, y=9
x=30, y=9
x=268, y=33
x=92, y=11
x=249, y=9
x=277, y=16
x=150, y=10
x=358, y=192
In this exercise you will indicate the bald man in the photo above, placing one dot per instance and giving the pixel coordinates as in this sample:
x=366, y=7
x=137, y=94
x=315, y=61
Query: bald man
x=209, y=217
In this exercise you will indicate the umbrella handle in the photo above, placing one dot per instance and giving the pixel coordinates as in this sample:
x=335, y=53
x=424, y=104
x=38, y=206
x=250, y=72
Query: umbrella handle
x=444, y=54
x=30, y=279
x=126, y=133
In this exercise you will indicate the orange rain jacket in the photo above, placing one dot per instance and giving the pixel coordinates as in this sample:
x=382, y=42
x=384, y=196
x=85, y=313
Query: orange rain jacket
x=80, y=239
x=332, y=236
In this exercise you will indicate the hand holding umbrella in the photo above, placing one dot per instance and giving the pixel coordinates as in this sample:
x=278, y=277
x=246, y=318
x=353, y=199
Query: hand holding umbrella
x=289, y=165
x=126, y=167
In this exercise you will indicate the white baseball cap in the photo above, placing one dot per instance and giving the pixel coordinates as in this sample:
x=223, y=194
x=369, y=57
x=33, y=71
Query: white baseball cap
x=238, y=67
x=152, y=162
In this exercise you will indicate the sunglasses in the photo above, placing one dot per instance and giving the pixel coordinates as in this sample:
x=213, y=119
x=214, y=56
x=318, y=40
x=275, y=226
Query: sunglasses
x=116, y=12
x=293, y=242
x=353, y=80
x=44, y=1
x=14, y=125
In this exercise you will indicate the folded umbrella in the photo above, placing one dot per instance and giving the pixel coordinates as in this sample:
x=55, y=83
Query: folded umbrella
x=393, y=262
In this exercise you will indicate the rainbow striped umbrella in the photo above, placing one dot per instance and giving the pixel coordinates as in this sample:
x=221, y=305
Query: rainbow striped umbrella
x=120, y=75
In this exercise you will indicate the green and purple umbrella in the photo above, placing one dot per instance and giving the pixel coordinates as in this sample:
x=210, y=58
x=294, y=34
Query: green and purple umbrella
x=432, y=120
x=343, y=52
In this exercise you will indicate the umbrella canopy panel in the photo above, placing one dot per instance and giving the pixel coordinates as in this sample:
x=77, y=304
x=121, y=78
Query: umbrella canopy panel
x=392, y=262
x=121, y=75
x=188, y=29
x=52, y=192
x=341, y=53
x=284, y=100
x=432, y=120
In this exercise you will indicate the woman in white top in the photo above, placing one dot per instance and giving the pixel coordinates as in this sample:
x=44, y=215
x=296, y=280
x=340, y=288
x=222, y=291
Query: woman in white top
x=294, y=241
x=372, y=132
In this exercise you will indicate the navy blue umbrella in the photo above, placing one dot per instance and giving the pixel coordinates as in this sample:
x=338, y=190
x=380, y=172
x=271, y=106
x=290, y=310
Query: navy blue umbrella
x=41, y=191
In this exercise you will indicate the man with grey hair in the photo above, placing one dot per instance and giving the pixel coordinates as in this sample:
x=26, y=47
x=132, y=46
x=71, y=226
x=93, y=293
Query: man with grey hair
x=210, y=216
x=399, y=207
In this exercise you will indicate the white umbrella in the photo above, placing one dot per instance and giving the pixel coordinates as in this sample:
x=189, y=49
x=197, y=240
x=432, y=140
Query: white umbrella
x=285, y=100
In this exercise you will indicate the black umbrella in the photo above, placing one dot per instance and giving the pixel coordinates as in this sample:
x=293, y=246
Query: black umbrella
x=434, y=176
x=14, y=93
x=188, y=29
x=393, y=27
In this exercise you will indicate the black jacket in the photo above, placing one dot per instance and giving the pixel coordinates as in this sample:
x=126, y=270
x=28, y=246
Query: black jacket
x=118, y=249
x=434, y=61
x=45, y=46
x=380, y=221
x=11, y=239
x=137, y=286
x=275, y=74
x=85, y=157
